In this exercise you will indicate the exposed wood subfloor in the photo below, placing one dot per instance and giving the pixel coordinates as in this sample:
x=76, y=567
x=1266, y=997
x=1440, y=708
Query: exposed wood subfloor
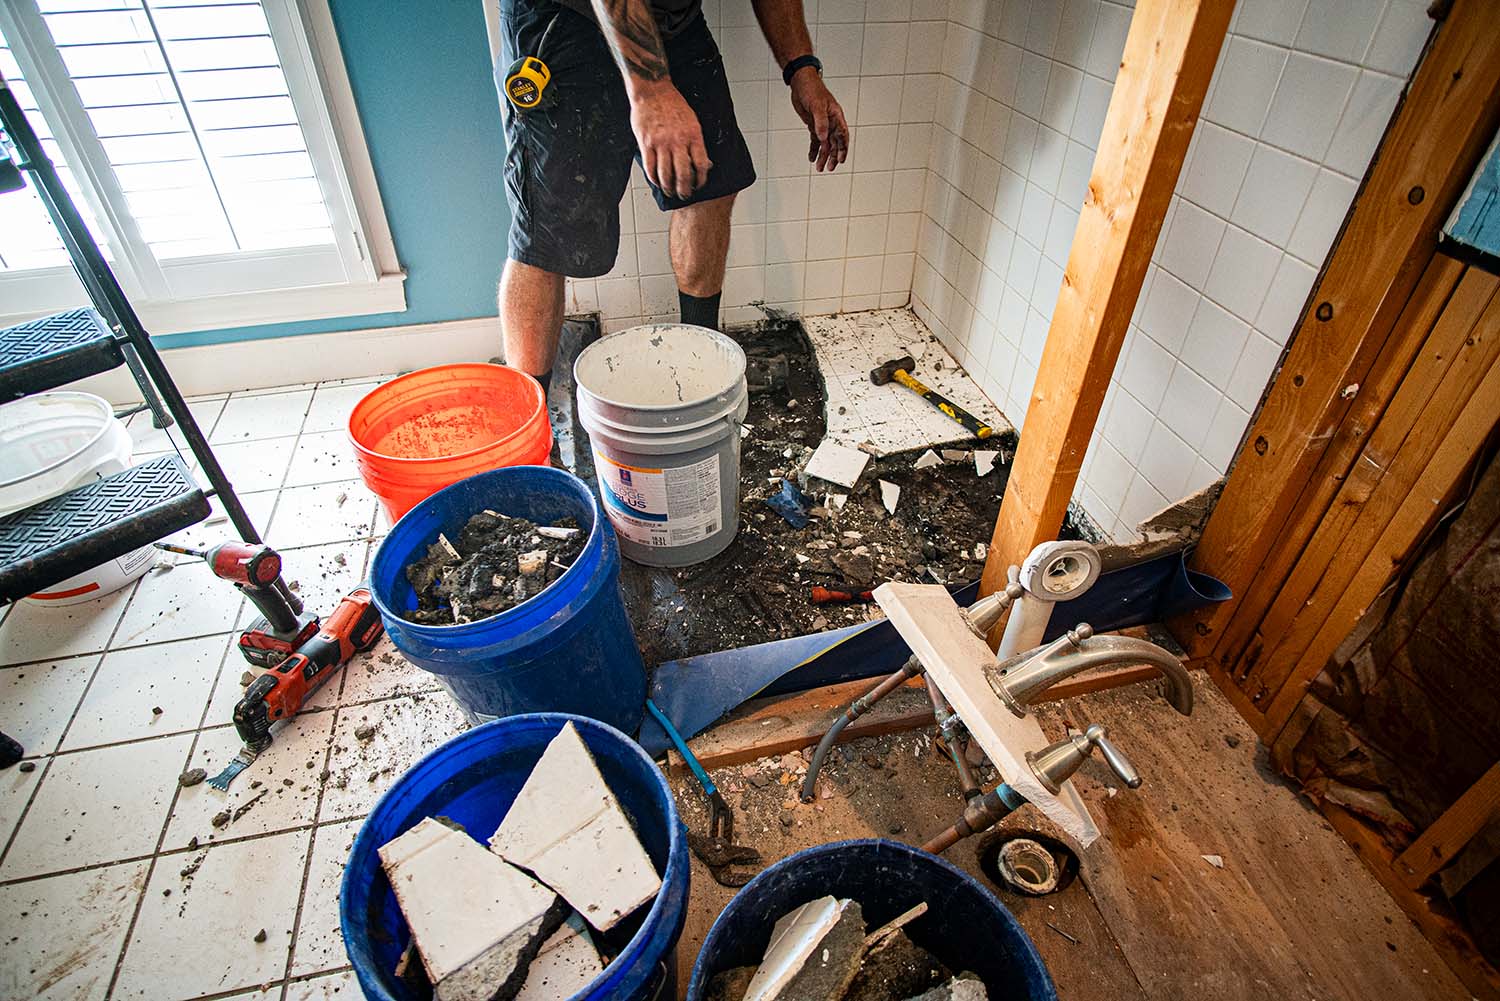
x=1292, y=915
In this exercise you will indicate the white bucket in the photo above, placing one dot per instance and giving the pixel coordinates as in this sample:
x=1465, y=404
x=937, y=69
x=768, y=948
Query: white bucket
x=51, y=443
x=663, y=405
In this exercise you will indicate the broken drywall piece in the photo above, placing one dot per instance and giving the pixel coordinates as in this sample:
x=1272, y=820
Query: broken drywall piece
x=927, y=460
x=1217, y=861
x=890, y=495
x=836, y=463
x=984, y=461
x=566, y=964
x=814, y=952
x=476, y=920
x=567, y=827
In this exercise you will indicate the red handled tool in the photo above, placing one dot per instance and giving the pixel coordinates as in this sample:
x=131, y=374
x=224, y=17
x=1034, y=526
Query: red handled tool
x=255, y=569
x=827, y=596
x=354, y=627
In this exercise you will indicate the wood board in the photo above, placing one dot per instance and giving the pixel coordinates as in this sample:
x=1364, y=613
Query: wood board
x=956, y=659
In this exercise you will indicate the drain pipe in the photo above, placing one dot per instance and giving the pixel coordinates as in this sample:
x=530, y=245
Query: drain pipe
x=1052, y=572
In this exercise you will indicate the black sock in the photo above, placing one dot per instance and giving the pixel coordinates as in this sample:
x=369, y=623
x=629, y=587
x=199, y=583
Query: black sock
x=699, y=311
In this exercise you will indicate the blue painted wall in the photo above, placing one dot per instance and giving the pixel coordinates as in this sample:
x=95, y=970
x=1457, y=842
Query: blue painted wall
x=422, y=79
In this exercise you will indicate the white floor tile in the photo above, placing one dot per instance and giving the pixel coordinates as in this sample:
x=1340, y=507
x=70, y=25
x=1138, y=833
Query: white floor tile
x=253, y=465
x=217, y=529
x=132, y=684
x=331, y=406
x=320, y=943
x=334, y=987
x=330, y=512
x=186, y=601
x=37, y=700
x=201, y=939
x=35, y=632
x=98, y=806
x=383, y=673
x=322, y=457
x=66, y=945
x=274, y=415
x=15, y=792
x=260, y=795
x=146, y=437
x=405, y=729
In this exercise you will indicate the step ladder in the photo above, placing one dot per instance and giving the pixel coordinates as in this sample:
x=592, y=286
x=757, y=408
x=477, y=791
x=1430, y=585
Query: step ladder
x=51, y=541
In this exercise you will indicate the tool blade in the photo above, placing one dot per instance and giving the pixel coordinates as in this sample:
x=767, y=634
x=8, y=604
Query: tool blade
x=236, y=765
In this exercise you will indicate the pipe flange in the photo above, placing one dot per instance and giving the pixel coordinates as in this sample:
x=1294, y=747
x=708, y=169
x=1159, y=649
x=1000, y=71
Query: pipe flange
x=1059, y=571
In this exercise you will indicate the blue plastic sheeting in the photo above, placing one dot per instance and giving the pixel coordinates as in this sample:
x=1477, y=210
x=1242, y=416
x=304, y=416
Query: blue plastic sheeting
x=1473, y=230
x=695, y=691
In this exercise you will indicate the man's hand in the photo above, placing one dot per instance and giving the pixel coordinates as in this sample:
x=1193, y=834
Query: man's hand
x=670, y=138
x=828, y=133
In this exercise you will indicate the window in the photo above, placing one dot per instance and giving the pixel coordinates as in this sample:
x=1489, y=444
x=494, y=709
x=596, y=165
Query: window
x=213, y=149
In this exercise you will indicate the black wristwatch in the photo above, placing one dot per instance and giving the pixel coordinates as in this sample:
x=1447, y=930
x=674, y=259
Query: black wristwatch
x=791, y=68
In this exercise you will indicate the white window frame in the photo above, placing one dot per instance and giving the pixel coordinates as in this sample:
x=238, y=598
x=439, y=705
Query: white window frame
x=359, y=276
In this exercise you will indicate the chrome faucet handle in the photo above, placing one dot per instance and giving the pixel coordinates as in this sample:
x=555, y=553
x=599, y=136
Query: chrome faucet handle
x=1097, y=735
x=1055, y=764
x=986, y=612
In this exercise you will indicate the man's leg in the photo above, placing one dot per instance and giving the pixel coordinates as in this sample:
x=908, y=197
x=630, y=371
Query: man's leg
x=699, y=243
x=531, y=315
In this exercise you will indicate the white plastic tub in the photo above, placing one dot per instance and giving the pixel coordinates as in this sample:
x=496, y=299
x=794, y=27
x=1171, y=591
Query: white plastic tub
x=51, y=443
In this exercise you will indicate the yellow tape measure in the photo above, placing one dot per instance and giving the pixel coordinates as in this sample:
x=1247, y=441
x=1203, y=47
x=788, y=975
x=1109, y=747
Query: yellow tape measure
x=526, y=83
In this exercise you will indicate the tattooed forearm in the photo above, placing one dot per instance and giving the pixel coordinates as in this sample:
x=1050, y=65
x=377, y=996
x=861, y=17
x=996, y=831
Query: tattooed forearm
x=631, y=32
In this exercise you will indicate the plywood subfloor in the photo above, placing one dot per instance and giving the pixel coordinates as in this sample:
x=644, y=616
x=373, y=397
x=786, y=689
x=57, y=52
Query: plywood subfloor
x=1293, y=914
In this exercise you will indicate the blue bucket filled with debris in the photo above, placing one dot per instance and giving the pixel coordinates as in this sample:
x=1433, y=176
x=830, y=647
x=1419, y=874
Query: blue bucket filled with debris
x=473, y=781
x=568, y=649
x=965, y=926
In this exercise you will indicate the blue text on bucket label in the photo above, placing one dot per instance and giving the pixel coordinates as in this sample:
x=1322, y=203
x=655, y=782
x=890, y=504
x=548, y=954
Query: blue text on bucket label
x=661, y=507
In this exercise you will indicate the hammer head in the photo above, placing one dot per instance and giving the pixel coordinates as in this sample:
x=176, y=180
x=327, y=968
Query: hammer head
x=887, y=371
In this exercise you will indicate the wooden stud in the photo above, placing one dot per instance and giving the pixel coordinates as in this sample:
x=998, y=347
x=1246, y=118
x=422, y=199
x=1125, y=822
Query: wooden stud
x=1464, y=345
x=1448, y=835
x=1375, y=393
x=1436, y=138
x=1418, y=510
x=1164, y=74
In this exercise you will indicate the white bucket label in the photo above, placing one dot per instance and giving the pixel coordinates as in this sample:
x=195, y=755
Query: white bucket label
x=661, y=507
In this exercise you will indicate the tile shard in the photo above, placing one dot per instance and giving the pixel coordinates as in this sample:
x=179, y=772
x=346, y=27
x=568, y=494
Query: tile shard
x=566, y=964
x=984, y=461
x=568, y=829
x=837, y=463
x=815, y=952
x=926, y=460
x=476, y=920
x=890, y=495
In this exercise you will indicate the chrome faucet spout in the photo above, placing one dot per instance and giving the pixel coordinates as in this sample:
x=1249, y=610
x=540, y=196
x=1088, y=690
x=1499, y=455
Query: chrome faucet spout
x=1020, y=680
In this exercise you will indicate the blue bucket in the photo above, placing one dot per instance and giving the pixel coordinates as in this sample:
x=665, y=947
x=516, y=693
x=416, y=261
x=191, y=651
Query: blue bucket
x=569, y=649
x=473, y=779
x=965, y=926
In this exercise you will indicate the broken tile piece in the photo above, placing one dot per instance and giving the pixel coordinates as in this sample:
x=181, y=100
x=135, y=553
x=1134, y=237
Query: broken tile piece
x=836, y=463
x=566, y=964
x=567, y=827
x=957, y=989
x=814, y=952
x=890, y=494
x=927, y=460
x=984, y=461
x=954, y=455
x=476, y=920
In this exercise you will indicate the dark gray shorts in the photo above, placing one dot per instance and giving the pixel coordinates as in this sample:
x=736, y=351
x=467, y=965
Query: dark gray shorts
x=568, y=164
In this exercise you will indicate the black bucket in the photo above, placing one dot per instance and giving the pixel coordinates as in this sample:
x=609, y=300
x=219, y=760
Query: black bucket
x=965, y=926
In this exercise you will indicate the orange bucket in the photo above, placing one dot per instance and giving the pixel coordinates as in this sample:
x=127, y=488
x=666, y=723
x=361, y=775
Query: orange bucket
x=423, y=431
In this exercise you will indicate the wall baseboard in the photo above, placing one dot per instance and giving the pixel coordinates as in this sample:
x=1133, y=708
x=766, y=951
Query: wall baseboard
x=264, y=364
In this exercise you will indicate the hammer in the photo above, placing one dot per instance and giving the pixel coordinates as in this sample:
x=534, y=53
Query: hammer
x=899, y=370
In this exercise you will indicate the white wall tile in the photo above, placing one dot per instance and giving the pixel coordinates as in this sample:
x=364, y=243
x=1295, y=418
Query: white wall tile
x=1188, y=401
x=1338, y=29
x=1308, y=103
x=1166, y=463
x=1168, y=311
x=1284, y=302
x=1253, y=371
x=1242, y=272
x=1148, y=369
x=1108, y=45
x=1247, y=76
x=1189, y=246
x=1220, y=158
x=1399, y=39
x=1075, y=31
x=1364, y=122
x=1271, y=198
x=1269, y=20
x=1224, y=434
x=1061, y=100
x=1214, y=342
x=1322, y=216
